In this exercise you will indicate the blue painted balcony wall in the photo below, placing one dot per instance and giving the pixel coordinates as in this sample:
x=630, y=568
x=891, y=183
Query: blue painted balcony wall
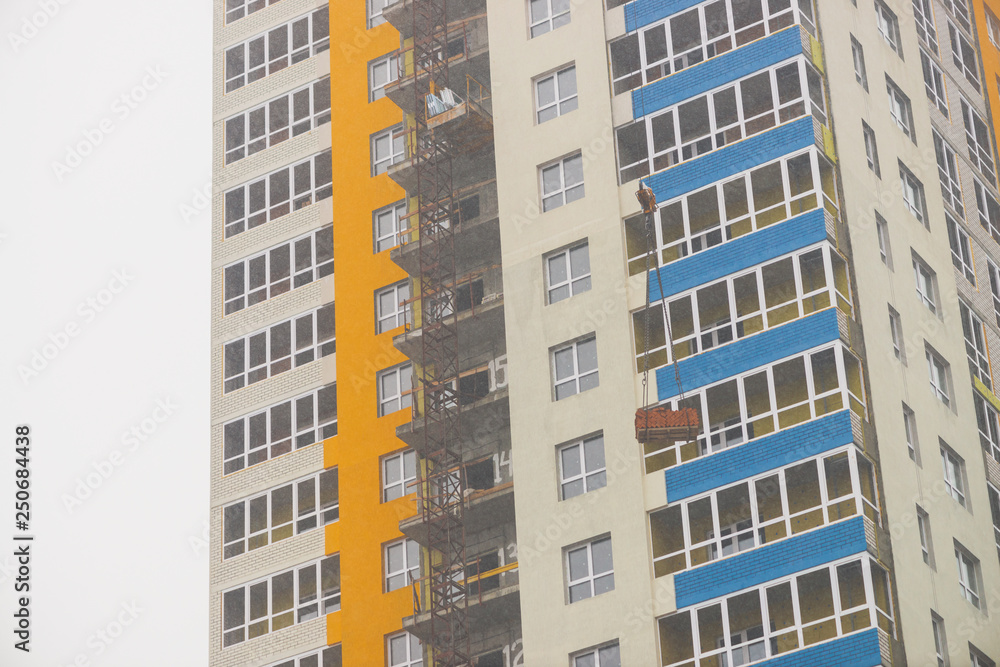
x=760, y=456
x=749, y=353
x=771, y=562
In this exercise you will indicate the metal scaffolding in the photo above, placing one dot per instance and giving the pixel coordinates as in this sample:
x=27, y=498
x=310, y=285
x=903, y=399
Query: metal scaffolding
x=443, y=485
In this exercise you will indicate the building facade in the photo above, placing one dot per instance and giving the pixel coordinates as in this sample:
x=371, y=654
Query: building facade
x=436, y=461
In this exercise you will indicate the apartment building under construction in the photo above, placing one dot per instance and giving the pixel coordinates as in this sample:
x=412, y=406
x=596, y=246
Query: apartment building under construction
x=438, y=461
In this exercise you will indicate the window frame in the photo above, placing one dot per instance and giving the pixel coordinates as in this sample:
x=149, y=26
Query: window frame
x=334, y=652
x=375, y=18
x=924, y=533
x=923, y=15
x=900, y=109
x=796, y=199
x=935, y=83
x=586, y=457
x=938, y=371
x=940, y=640
x=914, y=195
x=747, y=426
x=953, y=473
x=397, y=149
x=243, y=8
x=551, y=21
x=573, y=284
x=656, y=56
x=969, y=578
x=989, y=216
x=409, y=660
x=570, y=101
x=391, y=63
x=980, y=155
x=410, y=551
x=884, y=242
x=871, y=149
x=974, y=335
x=389, y=488
x=565, y=192
x=887, y=24
x=724, y=540
x=737, y=318
x=875, y=584
x=644, y=138
x=576, y=377
x=591, y=577
x=926, y=283
x=402, y=316
x=403, y=399
x=596, y=656
x=896, y=335
x=400, y=225
x=961, y=249
x=858, y=57
x=961, y=50
x=951, y=180
x=910, y=433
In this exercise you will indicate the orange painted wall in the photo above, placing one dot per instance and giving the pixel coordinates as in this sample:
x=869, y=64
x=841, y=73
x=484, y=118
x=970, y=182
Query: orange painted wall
x=367, y=614
x=990, y=60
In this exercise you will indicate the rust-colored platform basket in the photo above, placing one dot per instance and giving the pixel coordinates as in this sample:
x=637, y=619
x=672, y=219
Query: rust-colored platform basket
x=663, y=424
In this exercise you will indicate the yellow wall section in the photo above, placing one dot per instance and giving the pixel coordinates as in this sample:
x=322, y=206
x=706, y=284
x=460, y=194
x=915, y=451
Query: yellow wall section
x=367, y=614
x=991, y=64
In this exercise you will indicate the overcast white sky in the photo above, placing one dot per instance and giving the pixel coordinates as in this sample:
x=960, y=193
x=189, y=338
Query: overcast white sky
x=96, y=245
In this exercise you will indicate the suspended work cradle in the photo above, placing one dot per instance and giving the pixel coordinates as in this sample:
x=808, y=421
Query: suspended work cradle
x=659, y=423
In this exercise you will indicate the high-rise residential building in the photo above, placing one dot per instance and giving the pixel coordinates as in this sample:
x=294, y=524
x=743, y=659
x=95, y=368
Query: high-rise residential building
x=437, y=463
